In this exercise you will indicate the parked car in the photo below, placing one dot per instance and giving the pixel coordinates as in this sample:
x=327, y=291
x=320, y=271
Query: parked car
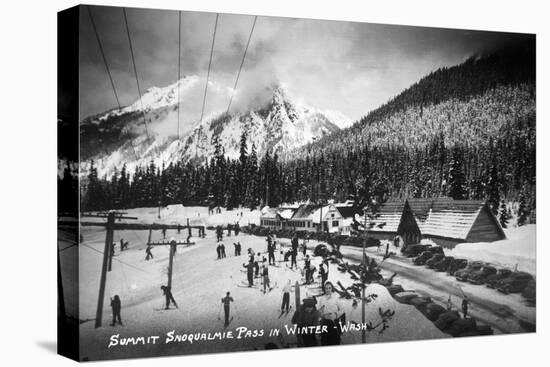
x=434, y=259
x=414, y=250
x=516, y=282
x=462, y=274
x=457, y=264
x=435, y=249
x=530, y=291
x=480, y=276
x=422, y=258
x=443, y=264
x=492, y=280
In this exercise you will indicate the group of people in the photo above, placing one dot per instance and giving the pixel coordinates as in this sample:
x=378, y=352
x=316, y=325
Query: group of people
x=238, y=248
x=220, y=250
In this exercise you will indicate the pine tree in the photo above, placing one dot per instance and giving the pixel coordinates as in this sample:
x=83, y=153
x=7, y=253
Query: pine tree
x=523, y=210
x=504, y=214
x=457, y=180
x=493, y=190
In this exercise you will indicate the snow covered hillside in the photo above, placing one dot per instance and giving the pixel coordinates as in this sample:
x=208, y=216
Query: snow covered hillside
x=147, y=129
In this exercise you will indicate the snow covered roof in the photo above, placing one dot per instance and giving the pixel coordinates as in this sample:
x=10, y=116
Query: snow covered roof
x=451, y=218
x=305, y=211
x=269, y=213
x=390, y=214
x=287, y=213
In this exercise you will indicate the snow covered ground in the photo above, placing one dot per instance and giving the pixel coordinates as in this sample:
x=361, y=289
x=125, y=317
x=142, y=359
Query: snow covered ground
x=519, y=248
x=199, y=283
x=197, y=215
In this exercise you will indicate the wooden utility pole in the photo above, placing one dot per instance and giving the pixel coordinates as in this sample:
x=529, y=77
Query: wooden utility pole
x=60, y=296
x=172, y=245
x=106, y=257
x=107, y=254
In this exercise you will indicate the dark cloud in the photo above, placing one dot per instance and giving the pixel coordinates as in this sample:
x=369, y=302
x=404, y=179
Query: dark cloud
x=345, y=66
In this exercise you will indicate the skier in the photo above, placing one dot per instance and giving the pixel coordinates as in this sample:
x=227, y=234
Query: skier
x=168, y=295
x=271, y=253
x=219, y=233
x=236, y=249
x=465, y=304
x=294, y=242
x=307, y=268
x=179, y=228
x=250, y=272
x=293, y=259
x=265, y=274
x=222, y=249
x=219, y=251
x=121, y=244
x=237, y=229
x=239, y=248
x=286, y=297
x=116, y=306
x=226, y=302
x=149, y=254
x=164, y=233
x=304, y=248
x=307, y=315
x=324, y=276
x=331, y=311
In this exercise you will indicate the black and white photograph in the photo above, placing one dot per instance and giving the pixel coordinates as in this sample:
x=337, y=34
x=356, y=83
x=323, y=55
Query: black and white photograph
x=231, y=183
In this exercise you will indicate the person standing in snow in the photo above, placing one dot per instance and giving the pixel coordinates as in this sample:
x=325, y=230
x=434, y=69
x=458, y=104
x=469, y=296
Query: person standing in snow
x=164, y=233
x=219, y=251
x=250, y=272
x=116, y=306
x=331, y=311
x=168, y=296
x=222, y=249
x=324, y=276
x=306, y=316
x=271, y=253
x=149, y=254
x=265, y=275
x=226, y=302
x=465, y=304
x=286, y=297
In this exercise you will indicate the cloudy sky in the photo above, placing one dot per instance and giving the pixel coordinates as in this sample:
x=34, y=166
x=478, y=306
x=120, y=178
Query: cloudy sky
x=343, y=66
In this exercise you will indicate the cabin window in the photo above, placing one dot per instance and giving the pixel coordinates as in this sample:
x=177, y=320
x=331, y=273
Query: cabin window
x=335, y=223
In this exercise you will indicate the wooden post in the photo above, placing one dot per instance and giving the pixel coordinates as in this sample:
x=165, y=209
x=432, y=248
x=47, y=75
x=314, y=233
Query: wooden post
x=106, y=255
x=170, y=263
x=150, y=235
x=189, y=228
x=111, y=250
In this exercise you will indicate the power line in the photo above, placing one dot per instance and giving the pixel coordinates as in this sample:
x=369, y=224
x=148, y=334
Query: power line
x=120, y=261
x=135, y=71
x=209, y=65
x=103, y=55
x=242, y=63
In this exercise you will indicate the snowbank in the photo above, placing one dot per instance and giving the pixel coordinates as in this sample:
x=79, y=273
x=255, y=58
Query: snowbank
x=519, y=248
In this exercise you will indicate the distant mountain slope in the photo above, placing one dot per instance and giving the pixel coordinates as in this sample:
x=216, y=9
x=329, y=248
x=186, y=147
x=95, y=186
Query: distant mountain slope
x=280, y=125
x=466, y=103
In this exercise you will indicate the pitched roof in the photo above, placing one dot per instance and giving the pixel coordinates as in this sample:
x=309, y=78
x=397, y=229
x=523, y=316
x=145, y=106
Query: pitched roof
x=389, y=216
x=304, y=211
x=347, y=211
x=451, y=218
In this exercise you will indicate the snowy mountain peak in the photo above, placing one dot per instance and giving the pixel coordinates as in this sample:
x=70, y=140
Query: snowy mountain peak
x=277, y=125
